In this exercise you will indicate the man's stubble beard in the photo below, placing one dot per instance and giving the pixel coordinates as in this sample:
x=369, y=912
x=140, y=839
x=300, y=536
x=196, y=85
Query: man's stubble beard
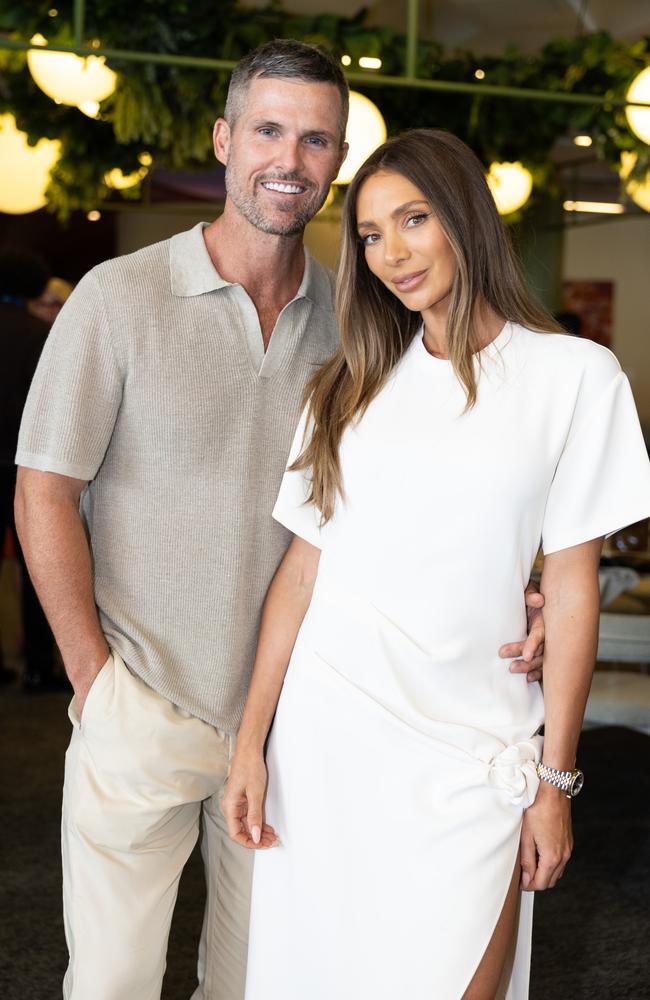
x=248, y=205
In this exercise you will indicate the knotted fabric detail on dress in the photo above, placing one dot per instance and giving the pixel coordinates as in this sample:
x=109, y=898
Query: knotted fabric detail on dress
x=515, y=771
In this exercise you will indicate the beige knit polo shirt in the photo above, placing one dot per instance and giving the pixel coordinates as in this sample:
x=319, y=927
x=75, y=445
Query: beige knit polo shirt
x=154, y=386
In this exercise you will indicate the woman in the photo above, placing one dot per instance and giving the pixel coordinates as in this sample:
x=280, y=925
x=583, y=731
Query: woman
x=448, y=435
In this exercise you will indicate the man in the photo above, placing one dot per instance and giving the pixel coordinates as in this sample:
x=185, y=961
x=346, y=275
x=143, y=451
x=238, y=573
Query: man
x=166, y=404
x=23, y=277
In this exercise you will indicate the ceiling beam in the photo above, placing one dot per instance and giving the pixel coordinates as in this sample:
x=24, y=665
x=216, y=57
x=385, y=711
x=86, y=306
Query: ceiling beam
x=365, y=79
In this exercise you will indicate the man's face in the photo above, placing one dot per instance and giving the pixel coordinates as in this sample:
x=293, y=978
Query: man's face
x=282, y=153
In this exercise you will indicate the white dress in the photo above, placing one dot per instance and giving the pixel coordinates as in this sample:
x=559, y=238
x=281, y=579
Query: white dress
x=403, y=751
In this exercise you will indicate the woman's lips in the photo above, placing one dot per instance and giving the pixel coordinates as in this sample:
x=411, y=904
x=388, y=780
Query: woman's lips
x=409, y=281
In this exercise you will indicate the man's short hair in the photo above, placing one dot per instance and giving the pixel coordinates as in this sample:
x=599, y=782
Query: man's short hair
x=288, y=59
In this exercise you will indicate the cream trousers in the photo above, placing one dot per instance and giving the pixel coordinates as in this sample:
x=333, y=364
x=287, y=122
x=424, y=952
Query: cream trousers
x=139, y=773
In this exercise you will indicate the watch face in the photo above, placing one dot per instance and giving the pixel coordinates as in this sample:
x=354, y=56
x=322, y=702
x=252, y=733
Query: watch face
x=577, y=783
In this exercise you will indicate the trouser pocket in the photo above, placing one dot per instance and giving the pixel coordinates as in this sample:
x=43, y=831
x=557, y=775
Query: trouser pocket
x=94, y=690
x=139, y=757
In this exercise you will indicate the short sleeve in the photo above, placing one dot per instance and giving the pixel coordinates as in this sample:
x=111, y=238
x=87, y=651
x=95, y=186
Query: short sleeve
x=76, y=391
x=602, y=480
x=291, y=508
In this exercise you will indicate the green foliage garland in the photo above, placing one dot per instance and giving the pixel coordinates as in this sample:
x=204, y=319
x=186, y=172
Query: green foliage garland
x=169, y=111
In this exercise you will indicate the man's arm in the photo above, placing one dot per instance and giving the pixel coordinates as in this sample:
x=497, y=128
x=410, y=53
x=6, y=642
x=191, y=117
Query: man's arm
x=527, y=655
x=58, y=556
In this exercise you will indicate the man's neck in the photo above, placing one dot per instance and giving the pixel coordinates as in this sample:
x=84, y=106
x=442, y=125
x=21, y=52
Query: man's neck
x=270, y=268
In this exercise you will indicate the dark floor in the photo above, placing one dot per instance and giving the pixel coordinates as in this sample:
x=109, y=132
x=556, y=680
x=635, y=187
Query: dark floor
x=592, y=933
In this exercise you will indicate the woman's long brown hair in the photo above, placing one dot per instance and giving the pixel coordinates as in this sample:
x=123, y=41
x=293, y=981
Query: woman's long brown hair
x=376, y=328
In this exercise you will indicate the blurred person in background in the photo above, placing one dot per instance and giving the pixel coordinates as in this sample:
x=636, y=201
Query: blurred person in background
x=49, y=303
x=23, y=279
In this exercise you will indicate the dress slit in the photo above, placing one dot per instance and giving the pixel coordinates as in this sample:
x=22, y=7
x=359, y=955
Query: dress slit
x=510, y=954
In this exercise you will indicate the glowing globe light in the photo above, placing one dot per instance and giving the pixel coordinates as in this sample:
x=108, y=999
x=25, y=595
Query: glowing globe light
x=24, y=170
x=638, y=190
x=119, y=181
x=639, y=118
x=90, y=108
x=511, y=185
x=366, y=130
x=69, y=79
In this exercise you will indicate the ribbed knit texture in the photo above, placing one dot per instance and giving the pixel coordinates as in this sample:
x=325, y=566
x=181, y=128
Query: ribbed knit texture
x=150, y=386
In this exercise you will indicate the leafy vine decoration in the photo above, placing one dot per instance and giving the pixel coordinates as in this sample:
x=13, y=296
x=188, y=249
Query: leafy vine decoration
x=168, y=111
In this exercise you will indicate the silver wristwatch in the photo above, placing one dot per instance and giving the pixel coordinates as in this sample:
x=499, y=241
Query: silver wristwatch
x=569, y=782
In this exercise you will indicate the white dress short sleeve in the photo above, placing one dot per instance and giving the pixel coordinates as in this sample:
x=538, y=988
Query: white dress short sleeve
x=602, y=480
x=292, y=508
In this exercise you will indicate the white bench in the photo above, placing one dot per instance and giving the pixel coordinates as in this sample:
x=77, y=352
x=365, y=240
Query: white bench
x=624, y=638
x=619, y=697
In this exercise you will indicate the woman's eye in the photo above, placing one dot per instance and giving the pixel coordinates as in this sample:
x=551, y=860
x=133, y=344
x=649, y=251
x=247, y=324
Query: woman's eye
x=415, y=220
x=369, y=239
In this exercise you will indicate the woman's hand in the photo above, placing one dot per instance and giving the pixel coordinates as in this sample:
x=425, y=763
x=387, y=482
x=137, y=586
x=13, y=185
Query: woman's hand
x=243, y=803
x=285, y=607
x=546, y=839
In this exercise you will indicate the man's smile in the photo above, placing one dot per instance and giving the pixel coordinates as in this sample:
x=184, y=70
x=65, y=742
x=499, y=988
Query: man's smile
x=283, y=187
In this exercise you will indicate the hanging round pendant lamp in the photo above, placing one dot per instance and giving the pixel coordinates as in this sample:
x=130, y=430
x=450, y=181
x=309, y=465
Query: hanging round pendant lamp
x=70, y=79
x=24, y=169
x=365, y=132
x=511, y=185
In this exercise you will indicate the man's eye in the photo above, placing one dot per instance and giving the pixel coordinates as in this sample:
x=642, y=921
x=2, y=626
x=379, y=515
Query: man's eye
x=315, y=140
x=266, y=130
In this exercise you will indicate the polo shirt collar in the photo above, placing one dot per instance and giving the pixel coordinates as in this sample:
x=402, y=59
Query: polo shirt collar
x=192, y=270
x=193, y=273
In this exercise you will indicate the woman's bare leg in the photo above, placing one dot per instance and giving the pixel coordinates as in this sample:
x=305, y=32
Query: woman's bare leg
x=485, y=982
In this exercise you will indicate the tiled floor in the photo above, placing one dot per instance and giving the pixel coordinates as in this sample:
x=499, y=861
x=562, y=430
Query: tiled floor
x=590, y=933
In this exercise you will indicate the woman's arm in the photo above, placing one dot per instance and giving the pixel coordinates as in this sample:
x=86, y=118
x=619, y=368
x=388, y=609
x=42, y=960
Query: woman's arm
x=285, y=607
x=570, y=588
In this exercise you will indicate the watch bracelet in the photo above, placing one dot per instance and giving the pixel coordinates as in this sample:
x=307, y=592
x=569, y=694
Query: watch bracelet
x=551, y=775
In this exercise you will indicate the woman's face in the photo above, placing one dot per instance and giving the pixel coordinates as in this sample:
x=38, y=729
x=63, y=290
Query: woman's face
x=405, y=245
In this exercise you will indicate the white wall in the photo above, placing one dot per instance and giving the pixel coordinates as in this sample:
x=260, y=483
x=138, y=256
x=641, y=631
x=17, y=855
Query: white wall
x=135, y=230
x=620, y=252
